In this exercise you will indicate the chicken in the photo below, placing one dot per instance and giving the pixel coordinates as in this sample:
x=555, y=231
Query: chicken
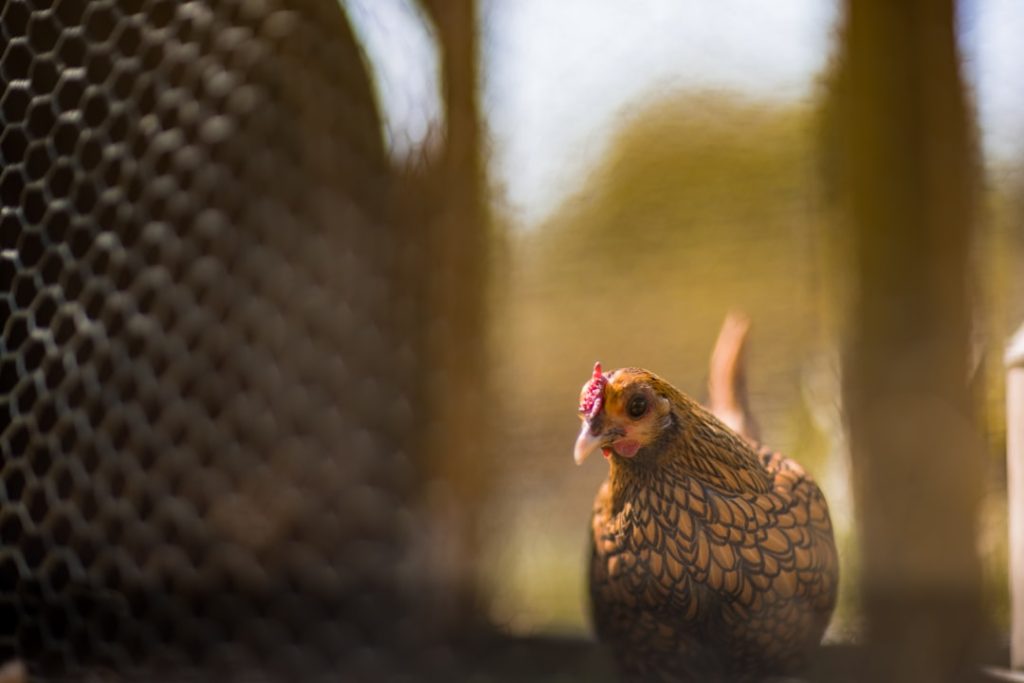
x=710, y=560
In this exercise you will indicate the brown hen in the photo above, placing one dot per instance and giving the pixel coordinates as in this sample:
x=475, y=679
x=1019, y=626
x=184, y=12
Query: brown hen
x=711, y=560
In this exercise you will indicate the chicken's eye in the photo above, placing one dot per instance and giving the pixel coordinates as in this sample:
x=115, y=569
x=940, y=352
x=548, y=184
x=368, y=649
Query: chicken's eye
x=637, y=406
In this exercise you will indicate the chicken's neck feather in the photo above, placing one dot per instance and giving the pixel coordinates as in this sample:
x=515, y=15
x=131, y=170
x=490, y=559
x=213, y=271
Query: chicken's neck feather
x=692, y=444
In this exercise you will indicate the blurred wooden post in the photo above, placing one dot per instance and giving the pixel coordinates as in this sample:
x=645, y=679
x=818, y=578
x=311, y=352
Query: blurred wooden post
x=457, y=254
x=908, y=184
x=1015, y=491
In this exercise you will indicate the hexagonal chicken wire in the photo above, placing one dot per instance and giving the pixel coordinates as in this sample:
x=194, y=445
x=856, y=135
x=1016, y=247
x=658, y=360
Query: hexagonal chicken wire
x=204, y=393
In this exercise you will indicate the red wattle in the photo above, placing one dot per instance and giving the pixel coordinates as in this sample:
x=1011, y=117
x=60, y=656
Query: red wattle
x=627, y=448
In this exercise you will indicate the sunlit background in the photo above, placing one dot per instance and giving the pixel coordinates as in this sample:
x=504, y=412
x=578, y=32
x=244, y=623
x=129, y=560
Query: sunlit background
x=652, y=167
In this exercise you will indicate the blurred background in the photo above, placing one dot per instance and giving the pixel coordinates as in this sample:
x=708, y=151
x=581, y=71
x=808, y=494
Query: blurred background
x=356, y=319
x=649, y=171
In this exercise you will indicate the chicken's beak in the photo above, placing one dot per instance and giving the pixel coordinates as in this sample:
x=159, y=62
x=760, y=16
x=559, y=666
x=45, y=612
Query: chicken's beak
x=586, y=443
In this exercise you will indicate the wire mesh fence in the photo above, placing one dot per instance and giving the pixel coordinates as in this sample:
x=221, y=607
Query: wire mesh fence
x=209, y=359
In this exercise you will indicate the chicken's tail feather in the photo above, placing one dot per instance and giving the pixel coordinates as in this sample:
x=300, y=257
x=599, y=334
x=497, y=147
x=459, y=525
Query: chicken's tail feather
x=727, y=381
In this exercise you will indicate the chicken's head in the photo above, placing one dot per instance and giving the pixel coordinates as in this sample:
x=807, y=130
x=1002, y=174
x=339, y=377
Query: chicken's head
x=622, y=411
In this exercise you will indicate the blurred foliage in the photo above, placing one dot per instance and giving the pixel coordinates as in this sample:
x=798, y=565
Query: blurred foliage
x=702, y=203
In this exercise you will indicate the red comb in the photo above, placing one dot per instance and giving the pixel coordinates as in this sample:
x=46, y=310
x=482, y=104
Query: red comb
x=593, y=394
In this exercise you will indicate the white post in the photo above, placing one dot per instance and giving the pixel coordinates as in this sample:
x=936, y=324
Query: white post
x=1015, y=491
